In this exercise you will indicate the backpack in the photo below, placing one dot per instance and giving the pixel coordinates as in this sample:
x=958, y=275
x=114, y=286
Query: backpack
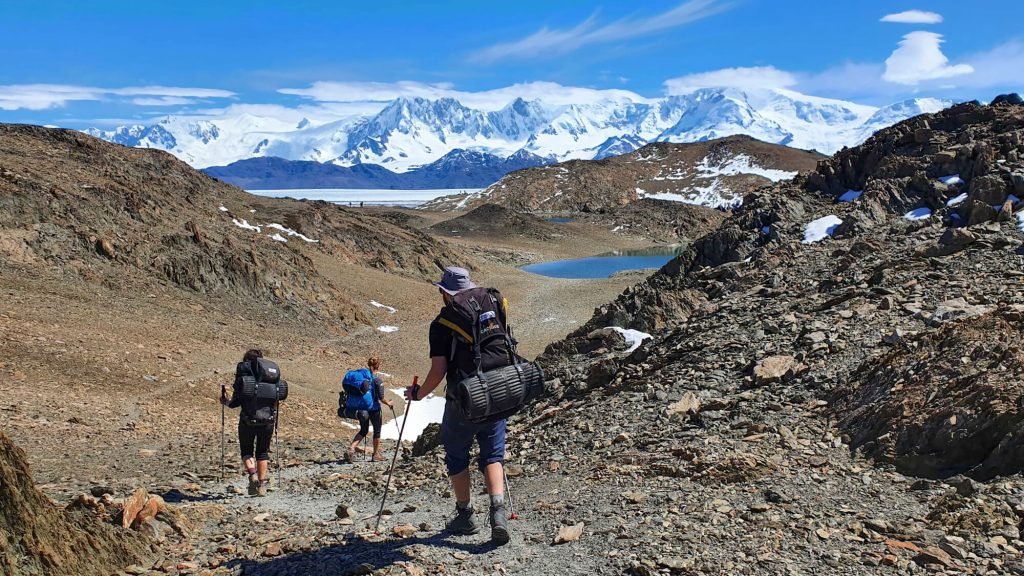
x=492, y=381
x=352, y=398
x=480, y=336
x=262, y=388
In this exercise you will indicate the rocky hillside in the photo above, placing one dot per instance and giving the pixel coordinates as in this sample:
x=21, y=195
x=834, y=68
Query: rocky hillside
x=494, y=221
x=36, y=537
x=79, y=207
x=712, y=173
x=830, y=373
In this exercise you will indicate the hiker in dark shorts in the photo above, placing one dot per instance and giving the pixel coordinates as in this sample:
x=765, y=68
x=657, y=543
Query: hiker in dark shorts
x=457, y=435
x=373, y=415
x=255, y=425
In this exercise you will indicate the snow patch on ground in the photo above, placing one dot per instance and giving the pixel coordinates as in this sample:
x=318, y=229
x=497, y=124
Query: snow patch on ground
x=384, y=306
x=387, y=329
x=222, y=209
x=742, y=164
x=244, y=224
x=918, y=214
x=278, y=238
x=417, y=416
x=951, y=180
x=821, y=228
x=958, y=199
x=850, y=196
x=291, y=232
x=633, y=337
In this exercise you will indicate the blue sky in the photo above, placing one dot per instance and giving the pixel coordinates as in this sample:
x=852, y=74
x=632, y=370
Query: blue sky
x=76, y=63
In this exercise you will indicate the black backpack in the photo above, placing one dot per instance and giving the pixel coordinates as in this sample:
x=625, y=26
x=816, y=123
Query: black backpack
x=261, y=389
x=478, y=319
x=491, y=382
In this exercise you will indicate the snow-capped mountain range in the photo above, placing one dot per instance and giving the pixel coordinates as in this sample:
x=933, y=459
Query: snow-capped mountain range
x=407, y=133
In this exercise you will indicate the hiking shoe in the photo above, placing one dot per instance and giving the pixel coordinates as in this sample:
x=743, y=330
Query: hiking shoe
x=378, y=457
x=463, y=522
x=499, y=525
x=261, y=489
x=350, y=457
x=254, y=484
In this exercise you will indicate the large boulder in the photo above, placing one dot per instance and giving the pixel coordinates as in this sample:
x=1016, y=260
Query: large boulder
x=36, y=537
x=945, y=403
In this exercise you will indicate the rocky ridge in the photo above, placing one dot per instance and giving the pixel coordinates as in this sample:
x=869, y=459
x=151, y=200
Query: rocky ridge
x=74, y=205
x=712, y=173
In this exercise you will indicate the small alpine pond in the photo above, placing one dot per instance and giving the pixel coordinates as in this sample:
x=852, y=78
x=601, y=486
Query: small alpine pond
x=605, y=265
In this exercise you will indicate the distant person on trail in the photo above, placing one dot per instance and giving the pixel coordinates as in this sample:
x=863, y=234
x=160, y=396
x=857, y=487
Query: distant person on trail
x=257, y=418
x=364, y=396
x=452, y=356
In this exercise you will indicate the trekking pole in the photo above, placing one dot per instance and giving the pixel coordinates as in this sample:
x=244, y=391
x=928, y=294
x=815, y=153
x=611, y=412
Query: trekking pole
x=508, y=491
x=277, y=444
x=223, y=394
x=394, y=459
x=394, y=418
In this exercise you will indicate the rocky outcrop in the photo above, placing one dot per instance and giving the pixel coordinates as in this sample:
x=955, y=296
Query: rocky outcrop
x=36, y=537
x=943, y=403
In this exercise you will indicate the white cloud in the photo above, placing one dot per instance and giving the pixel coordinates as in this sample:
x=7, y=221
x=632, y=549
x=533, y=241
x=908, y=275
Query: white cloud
x=999, y=67
x=919, y=58
x=43, y=96
x=913, y=17
x=746, y=78
x=549, y=92
x=547, y=42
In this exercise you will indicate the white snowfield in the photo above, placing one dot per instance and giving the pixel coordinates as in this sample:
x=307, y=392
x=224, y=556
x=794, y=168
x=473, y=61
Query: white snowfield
x=387, y=328
x=714, y=193
x=416, y=417
x=408, y=132
x=821, y=228
x=633, y=337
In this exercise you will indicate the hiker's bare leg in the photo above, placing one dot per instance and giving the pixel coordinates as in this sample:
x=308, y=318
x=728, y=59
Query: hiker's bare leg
x=494, y=478
x=355, y=442
x=460, y=485
x=376, y=445
x=249, y=463
x=261, y=469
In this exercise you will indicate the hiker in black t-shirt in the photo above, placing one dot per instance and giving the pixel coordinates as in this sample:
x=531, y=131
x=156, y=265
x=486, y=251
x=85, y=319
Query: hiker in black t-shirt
x=255, y=425
x=457, y=434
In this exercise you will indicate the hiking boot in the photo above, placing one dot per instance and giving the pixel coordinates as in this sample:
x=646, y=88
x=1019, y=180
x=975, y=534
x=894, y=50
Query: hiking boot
x=254, y=484
x=499, y=525
x=350, y=457
x=378, y=457
x=261, y=488
x=463, y=522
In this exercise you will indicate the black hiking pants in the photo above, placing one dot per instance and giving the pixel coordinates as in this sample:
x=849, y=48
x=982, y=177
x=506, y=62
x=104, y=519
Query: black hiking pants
x=255, y=440
x=365, y=419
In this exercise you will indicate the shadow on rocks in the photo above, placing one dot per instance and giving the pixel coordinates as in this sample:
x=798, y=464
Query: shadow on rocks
x=356, y=556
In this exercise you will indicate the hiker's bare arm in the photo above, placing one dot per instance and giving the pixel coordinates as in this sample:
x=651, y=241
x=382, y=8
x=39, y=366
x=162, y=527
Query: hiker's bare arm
x=438, y=369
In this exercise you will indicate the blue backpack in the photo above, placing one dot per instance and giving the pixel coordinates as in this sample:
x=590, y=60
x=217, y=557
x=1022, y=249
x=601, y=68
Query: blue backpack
x=352, y=384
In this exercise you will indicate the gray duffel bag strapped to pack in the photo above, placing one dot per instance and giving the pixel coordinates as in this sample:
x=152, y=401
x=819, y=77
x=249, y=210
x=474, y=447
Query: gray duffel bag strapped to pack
x=499, y=393
x=479, y=317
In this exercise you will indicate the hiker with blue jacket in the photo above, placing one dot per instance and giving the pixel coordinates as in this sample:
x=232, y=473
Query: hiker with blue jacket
x=452, y=356
x=364, y=395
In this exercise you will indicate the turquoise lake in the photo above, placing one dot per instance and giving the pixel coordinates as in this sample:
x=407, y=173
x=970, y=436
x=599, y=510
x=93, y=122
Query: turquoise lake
x=605, y=265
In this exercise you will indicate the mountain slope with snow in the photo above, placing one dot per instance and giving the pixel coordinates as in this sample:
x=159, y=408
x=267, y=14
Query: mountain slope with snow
x=408, y=133
x=715, y=173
